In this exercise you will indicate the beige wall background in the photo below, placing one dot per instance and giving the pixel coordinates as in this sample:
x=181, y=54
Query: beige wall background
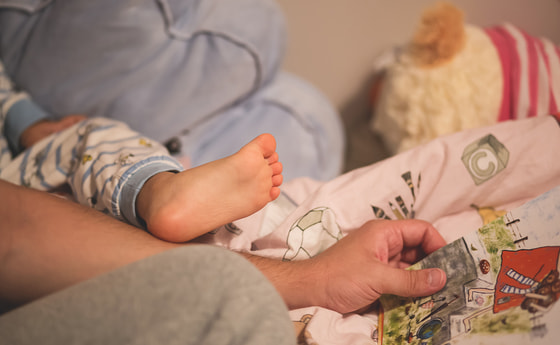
x=333, y=43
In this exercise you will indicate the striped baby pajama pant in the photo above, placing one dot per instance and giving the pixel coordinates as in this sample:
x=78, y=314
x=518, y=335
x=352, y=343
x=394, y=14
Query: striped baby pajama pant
x=103, y=160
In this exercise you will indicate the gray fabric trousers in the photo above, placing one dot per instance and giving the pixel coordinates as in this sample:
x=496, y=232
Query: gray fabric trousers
x=204, y=74
x=196, y=294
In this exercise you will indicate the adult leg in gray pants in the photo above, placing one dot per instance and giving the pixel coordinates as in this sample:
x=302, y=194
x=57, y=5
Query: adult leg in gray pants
x=196, y=294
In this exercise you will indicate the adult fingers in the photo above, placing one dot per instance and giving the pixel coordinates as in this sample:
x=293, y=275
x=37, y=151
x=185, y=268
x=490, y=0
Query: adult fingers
x=418, y=233
x=409, y=283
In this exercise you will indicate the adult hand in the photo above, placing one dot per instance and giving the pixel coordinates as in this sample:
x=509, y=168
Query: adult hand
x=42, y=129
x=370, y=261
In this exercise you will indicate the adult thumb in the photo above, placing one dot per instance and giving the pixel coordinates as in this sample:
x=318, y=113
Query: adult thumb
x=409, y=283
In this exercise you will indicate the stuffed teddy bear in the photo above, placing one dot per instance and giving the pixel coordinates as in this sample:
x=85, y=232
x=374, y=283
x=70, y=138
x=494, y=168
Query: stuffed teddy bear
x=453, y=76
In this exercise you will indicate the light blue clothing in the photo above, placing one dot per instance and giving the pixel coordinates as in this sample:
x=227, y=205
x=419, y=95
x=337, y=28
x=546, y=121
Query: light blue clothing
x=103, y=160
x=17, y=112
x=202, y=71
x=21, y=115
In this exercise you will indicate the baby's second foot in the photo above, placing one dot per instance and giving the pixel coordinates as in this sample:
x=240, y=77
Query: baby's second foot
x=180, y=207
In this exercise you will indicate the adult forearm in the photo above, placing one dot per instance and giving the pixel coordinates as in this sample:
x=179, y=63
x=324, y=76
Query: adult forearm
x=298, y=282
x=48, y=243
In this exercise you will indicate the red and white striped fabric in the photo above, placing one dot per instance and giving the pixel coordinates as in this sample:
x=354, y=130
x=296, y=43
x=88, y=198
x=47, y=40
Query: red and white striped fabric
x=531, y=70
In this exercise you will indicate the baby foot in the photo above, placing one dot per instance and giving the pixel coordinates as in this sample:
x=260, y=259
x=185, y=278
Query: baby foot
x=183, y=206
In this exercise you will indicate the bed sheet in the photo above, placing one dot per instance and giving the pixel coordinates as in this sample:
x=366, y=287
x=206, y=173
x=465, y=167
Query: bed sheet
x=458, y=182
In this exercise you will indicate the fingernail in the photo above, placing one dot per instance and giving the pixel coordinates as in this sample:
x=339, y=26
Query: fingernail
x=436, y=278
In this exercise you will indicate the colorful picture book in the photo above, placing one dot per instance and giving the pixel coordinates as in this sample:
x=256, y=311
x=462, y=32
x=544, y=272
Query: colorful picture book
x=502, y=286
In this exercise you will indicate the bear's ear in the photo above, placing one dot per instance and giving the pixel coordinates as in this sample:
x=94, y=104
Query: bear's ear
x=439, y=37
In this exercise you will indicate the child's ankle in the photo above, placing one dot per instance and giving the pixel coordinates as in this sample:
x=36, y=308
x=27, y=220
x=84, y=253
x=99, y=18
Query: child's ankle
x=146, y=197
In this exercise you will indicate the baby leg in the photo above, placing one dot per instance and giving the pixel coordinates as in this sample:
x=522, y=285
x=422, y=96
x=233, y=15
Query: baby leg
x=179, y=207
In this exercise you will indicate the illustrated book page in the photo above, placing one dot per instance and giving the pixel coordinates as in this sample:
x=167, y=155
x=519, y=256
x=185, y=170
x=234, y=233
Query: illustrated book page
x=502, y=285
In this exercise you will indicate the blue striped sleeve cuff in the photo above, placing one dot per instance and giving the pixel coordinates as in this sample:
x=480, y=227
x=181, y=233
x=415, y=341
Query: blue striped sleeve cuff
x=21, y=115
x=130, y=190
